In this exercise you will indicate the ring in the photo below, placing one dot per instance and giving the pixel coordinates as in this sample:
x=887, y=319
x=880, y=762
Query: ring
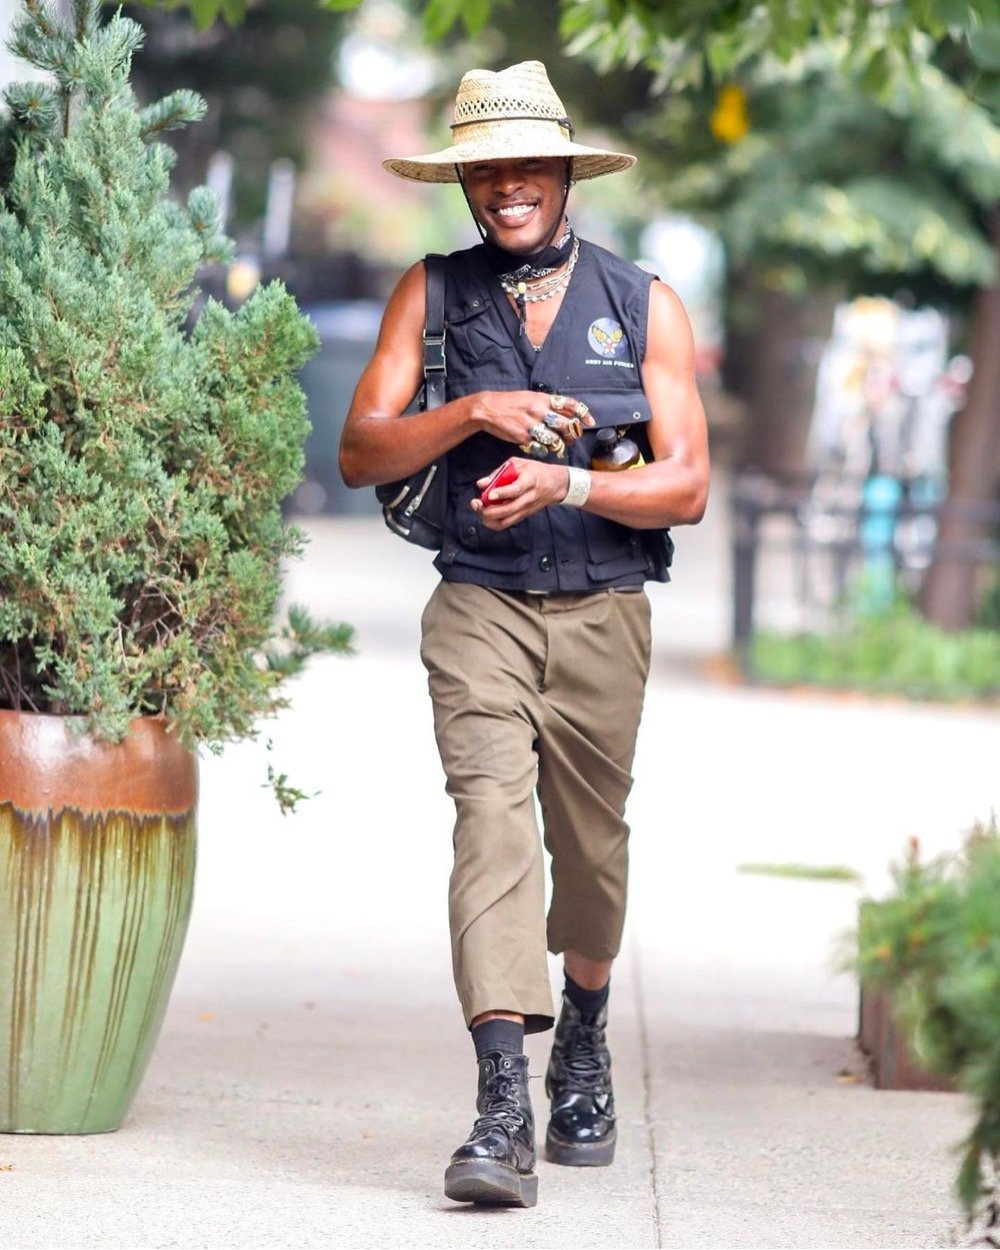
x=582, y=410
x=543, y=441
x=552, y=420
x=557, y=401
x=542, y=434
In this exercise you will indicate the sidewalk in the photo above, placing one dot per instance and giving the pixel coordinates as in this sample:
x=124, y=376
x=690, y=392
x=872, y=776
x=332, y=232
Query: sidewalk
x=313, y=1073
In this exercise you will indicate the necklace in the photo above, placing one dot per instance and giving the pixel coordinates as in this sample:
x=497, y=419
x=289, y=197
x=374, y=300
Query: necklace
x=543, y=287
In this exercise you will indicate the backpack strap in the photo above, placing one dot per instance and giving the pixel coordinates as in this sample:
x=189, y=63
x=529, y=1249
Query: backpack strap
x=435, y=367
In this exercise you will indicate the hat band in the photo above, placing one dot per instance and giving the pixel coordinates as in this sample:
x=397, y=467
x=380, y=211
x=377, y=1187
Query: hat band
x=563, y=123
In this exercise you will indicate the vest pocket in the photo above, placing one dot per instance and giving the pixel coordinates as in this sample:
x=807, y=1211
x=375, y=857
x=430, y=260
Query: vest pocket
x=474, y=338
x=472, y=543
x=613, y=550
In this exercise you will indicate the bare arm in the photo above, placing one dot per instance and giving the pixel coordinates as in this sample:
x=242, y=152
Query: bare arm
x=673, y=490
x=377, y=446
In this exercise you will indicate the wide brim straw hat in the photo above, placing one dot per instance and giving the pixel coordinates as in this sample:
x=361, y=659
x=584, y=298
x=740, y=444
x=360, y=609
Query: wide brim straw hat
x=509, y=114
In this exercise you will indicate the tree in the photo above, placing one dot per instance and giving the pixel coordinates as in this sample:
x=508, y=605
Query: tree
x=950, y=55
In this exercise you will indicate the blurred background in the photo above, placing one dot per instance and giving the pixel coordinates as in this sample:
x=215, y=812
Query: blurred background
x=822, y=196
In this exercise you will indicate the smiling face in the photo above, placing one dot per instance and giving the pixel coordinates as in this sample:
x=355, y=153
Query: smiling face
x=518, y=202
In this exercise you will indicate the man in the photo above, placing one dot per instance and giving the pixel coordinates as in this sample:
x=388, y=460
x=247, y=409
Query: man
x=536, y=640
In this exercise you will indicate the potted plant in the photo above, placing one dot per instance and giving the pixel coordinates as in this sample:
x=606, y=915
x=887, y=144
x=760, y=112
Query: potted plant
x=933, y=947
x=144, y=453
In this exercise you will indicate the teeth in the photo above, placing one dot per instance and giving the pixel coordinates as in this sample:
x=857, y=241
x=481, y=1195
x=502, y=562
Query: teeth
x=515, y=210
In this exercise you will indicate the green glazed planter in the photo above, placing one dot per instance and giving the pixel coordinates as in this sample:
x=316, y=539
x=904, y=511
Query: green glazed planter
x=97, y=856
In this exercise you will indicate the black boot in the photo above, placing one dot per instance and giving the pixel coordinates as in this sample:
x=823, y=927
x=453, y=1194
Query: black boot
x=496, y=1165
x=582, y=1126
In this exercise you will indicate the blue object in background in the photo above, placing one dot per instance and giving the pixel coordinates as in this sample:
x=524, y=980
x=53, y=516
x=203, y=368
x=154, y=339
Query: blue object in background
x=881, y=496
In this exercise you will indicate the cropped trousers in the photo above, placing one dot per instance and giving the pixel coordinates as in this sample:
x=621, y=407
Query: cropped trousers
x=543, y=694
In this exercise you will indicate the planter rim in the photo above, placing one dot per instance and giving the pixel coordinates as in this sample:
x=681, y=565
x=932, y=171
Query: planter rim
x=48, y=763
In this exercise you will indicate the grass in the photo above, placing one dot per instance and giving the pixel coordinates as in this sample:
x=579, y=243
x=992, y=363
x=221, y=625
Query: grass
x=803, y=872
x=894, y=652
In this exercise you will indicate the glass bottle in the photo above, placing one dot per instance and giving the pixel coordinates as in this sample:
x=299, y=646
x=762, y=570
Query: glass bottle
x=614, y=450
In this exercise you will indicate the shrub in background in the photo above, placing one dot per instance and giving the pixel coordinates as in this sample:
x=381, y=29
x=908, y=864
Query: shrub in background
x=934, y=946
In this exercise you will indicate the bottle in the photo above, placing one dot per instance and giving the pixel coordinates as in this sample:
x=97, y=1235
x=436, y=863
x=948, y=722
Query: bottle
x=614, y=450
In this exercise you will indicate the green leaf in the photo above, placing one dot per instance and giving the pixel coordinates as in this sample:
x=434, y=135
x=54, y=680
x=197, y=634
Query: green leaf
x=439, y=17
x=475, y=15
x=984, y=44
x=234, y=11
x=339, y=6
x=205, y=12
x=986, y=91
x=876, y=75
x=951, y=12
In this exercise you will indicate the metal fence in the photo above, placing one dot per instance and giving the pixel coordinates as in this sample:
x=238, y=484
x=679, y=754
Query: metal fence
x=832, y=530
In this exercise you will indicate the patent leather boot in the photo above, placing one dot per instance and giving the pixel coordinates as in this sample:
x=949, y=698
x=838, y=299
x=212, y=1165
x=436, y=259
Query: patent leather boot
x=581, y=1130
x=496, y=1165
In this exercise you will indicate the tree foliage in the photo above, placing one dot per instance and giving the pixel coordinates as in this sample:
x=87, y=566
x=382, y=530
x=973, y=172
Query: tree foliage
x=828, y=184
x=141, y=465
x=686, y=41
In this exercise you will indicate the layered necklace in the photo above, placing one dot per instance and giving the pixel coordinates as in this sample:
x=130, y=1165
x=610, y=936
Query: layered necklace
x=546, y=278
x=541, y=285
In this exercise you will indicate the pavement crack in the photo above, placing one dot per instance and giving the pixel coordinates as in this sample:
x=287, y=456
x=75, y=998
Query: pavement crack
x=647, y=1091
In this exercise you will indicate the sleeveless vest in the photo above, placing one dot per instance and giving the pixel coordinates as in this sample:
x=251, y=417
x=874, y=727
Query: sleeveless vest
x=593, y=352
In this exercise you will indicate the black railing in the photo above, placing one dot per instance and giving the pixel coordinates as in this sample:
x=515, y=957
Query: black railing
x=848, y=513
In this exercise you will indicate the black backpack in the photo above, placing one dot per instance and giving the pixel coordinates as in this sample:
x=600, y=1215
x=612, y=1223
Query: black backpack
x=415, y=507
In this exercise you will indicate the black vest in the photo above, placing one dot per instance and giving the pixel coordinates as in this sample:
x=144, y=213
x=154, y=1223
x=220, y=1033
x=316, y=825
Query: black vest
x=593, y=352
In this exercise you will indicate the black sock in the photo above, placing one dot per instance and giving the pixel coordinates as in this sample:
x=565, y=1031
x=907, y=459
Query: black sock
x=587, y=1002
x=505, y=1036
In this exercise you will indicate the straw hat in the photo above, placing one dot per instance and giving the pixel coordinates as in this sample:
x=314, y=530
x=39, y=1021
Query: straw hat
x=506, y=115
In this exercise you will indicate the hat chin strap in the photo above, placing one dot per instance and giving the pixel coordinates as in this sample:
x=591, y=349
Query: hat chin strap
x=555, y=229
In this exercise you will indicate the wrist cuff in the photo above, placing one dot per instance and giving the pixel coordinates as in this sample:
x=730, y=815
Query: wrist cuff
x=579, y=488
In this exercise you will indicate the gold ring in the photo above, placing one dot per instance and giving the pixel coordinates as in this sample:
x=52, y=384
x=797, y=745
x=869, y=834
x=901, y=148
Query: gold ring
x=557, y=401
x=539, y=448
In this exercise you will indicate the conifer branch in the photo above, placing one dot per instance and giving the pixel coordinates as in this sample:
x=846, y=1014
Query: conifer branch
x=174, y=111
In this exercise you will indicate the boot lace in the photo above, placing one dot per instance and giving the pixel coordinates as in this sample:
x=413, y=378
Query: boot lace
x=584, y=1060
x=500, y=1108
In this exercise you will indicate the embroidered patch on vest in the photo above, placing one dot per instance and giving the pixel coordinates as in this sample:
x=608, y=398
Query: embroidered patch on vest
x=607, y=338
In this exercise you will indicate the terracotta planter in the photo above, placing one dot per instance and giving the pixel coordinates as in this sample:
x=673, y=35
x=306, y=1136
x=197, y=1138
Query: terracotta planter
x=97, y=853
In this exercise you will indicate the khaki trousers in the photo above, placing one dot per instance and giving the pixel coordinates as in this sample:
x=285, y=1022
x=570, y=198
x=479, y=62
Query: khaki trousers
x=534, y=692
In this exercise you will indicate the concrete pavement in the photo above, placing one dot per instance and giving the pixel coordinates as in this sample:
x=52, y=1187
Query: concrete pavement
x=313, y=1073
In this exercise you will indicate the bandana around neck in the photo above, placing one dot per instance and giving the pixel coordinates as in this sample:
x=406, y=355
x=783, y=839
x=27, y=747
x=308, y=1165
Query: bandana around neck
x=526, y=268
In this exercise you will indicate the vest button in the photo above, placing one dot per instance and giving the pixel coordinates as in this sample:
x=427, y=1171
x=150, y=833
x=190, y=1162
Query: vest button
x=541, y=386
x=545, y=563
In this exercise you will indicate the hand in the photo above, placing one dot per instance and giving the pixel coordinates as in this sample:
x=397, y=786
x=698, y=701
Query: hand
x=513, y=415
x=536, y=486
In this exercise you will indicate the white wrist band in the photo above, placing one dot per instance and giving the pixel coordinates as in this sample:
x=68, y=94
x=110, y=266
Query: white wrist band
x=579, y=488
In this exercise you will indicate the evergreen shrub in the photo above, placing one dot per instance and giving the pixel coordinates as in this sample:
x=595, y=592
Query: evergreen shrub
x=144, y=451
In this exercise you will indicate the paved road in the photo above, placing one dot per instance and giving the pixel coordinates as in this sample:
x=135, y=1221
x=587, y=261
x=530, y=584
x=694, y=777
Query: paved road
x=313, y=1073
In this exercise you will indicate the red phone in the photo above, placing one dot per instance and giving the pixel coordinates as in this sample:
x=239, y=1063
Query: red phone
x=506, y=474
